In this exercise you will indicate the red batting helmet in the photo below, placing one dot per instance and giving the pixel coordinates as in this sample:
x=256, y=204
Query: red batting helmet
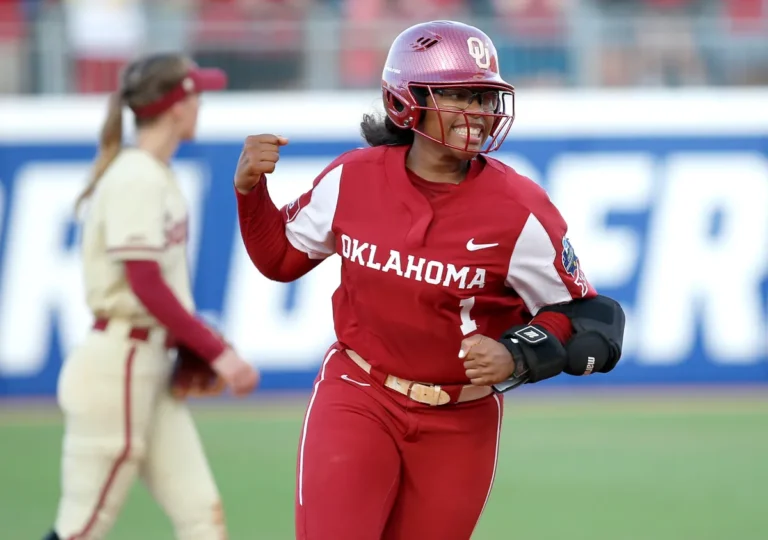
x=444, y=54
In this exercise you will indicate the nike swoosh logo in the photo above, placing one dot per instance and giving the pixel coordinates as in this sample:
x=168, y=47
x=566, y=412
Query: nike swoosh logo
x=346, y=378
x=471, y=246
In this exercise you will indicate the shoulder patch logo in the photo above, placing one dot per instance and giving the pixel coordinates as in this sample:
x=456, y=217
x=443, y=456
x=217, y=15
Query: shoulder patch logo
x=572, y=267
x=292, y=209
x=570, y=260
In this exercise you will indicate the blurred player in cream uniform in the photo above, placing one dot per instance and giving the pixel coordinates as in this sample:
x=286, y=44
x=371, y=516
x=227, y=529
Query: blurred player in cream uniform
x=119, y=392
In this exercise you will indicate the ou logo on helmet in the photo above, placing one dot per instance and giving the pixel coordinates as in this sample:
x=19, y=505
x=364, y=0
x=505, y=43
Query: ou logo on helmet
x=480, y=52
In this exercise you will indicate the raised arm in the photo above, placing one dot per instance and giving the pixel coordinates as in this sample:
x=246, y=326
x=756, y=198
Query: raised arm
x=284, y=244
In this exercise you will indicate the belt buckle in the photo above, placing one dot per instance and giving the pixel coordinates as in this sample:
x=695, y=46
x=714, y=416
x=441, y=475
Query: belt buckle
x=428, y=394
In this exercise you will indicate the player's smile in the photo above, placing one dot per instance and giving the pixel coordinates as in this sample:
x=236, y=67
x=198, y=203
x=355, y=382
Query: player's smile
x=474, y=132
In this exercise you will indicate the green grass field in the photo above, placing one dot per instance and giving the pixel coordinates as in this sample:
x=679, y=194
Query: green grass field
x=625, y=466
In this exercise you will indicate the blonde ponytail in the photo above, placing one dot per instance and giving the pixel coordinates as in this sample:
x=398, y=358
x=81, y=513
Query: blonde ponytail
x=110, y=144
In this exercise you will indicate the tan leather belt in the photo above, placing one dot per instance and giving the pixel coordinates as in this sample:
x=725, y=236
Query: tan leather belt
x=429, y=394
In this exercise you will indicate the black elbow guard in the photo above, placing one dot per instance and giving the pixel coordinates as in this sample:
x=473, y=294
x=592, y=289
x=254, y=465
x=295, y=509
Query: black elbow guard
x=538, y=355
x=598, y=334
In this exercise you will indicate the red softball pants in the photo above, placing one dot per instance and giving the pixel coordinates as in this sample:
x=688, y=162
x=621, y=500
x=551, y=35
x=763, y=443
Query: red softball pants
x=376, y=465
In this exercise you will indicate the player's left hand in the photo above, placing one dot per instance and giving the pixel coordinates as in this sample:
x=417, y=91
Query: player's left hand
x=486, y=361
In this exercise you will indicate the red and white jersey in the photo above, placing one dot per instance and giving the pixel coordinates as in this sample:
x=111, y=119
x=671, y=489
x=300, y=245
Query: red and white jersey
x=421, y=271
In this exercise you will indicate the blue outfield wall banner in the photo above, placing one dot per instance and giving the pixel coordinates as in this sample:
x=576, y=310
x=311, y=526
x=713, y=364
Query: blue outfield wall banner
x=670, y=220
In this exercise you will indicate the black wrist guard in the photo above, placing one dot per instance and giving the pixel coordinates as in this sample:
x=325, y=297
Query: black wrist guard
x=538, y=355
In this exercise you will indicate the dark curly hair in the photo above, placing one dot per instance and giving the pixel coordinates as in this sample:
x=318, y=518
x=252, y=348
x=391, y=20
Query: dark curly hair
x=379, y=131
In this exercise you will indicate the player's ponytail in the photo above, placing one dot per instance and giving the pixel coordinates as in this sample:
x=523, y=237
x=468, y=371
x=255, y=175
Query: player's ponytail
x=110, y=143
x=378, y=132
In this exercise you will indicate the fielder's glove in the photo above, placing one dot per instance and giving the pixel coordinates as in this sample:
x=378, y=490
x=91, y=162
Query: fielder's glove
x=192, y=376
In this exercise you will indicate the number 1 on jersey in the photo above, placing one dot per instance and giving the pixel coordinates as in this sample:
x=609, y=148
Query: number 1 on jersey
x=467, y=324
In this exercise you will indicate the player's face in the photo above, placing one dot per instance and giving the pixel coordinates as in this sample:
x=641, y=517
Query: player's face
x=456, y=120
x=188, y=117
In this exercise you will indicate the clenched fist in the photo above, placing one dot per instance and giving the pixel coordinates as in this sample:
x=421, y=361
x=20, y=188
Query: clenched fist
x=259, y=156
x=486, y=361
x=239, y=375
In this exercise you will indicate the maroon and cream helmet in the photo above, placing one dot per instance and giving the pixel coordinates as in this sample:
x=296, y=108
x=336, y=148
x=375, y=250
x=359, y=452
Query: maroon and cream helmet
x=438, y=55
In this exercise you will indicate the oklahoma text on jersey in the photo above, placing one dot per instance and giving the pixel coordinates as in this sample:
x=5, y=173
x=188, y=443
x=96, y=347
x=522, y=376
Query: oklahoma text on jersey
x=418, y=268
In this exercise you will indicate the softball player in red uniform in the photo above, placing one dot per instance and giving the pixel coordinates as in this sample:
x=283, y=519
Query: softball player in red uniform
x=121, y=419
x=458, y=283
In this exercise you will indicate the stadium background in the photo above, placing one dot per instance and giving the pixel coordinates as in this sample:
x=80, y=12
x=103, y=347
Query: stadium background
x=646, y=120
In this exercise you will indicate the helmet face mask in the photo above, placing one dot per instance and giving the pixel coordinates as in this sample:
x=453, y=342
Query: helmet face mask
x=500, y=116
x=453, y=65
